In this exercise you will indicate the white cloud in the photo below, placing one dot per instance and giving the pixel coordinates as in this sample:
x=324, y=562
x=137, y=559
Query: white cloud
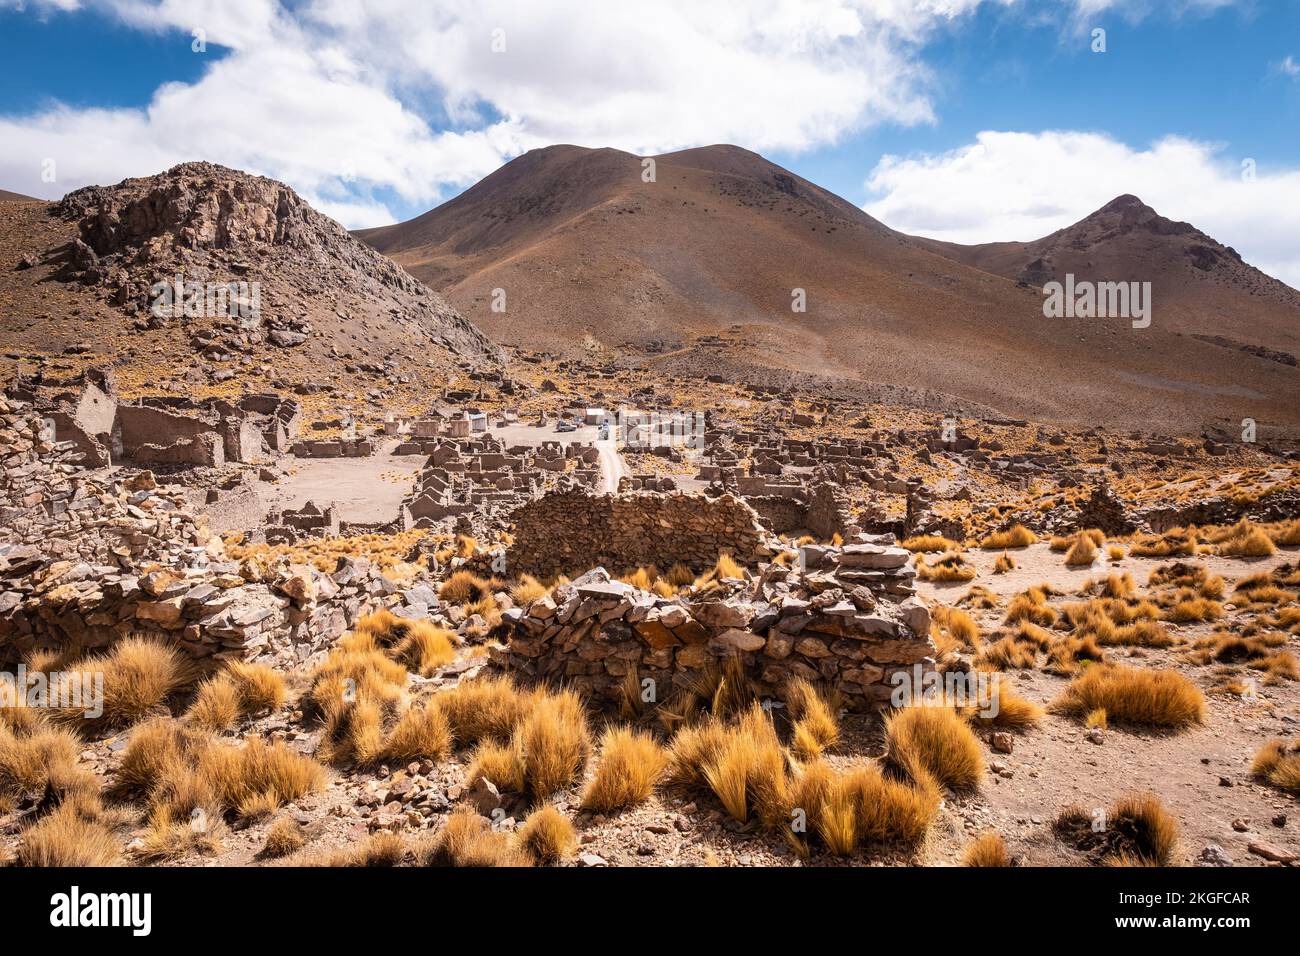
x=343, y=99
x=1289, y=67
x=1022, y=186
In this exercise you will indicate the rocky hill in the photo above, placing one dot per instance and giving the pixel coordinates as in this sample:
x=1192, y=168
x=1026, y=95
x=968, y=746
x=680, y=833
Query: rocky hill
x=204, y=279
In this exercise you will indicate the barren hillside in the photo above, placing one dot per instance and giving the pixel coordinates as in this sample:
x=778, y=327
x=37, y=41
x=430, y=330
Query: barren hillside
x=590, y=255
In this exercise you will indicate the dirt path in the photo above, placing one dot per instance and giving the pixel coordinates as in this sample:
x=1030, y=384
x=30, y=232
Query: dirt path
x=612, y=467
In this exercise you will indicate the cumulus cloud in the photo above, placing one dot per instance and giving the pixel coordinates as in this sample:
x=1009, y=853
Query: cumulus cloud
x=343, y=99
x=1022, y=186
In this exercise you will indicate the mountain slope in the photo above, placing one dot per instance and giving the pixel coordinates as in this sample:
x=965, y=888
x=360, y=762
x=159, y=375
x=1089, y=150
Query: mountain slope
x=589, y=254
x=7, y=196
x=1198, y=284
x=84, y=277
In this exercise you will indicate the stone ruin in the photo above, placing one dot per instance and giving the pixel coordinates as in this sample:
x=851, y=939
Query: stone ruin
x=164, y=430
x=850, y=619
x=482, y=475
x=85, y=561
x=564, y=532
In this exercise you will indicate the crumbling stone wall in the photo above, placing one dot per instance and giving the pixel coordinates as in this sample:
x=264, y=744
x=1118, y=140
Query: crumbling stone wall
x=851, y=620
x=570, y=531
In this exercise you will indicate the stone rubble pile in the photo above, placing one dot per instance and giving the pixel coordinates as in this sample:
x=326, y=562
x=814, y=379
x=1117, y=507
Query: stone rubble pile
x=85, y=561
x=849, y=618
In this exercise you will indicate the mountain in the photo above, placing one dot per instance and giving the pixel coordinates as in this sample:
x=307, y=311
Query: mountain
x=279, y=296
x=694, y=270
x=1198, y=284
x=7, y=196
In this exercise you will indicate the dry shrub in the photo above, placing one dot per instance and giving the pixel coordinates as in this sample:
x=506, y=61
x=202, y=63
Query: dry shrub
x=936, y=739
x=744, y=766
x=1286, y=534
x=466, y=839
x=1004, y=563
x=260, y=687
x=380, y=850
x=1031, y=606
x=464, y=587
x=1114, y=552
x=1168, y=545
x=954, y=628
x=950, y=567
x=1278, y=763
x=553, y=743
x=1141, y=697
x=729, y=567
x=548, y=836
x=1007, y=653
x=422, y=731
x=987, y=849
x=1083, y=552
x=630, y=764
x=527, y=590
x=489, y=707
x=30, y=754
x=255, y=773
x=67, y=838
x=1193, y=610
x=1006, y=709
x=930, y=543
x=216, y=706
x=816, y=727
x=1017, y=536
x=283, y=838
x=1246, y=540
x=980, y=598
x=426, y=647
x=140, y=674
x=1146, y=834
x=679, y=575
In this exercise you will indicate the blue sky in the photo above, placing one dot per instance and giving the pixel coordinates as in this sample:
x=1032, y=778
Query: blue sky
x=970, y=120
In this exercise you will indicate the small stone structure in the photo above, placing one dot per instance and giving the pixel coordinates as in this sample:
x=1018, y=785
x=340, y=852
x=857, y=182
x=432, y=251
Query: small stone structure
x=851, y=620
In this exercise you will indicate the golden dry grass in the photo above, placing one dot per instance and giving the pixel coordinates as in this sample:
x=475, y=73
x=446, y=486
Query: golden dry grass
x=527, y=590
x=814, y=713
x=937, y=739
x=1146, y=834
x=1016, y=536
x=1082, y=553
x=66, y=838
x=1004, y=563
x=986, y=850
x=463, y=587
x=949, y=567
x=1136, y=696
x=630, y=763
x=283, y=838
x=1278, y=763
x=930, y=543
x=140, y=674
x=548, y=836
x=467, y=840
x=489, y=707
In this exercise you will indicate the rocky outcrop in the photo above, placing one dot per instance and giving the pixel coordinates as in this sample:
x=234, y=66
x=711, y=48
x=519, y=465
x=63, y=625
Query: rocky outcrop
x=850, y=618
x=219, y=226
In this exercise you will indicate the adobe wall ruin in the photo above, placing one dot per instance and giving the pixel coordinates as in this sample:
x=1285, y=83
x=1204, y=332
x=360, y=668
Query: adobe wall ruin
x=570, y=531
